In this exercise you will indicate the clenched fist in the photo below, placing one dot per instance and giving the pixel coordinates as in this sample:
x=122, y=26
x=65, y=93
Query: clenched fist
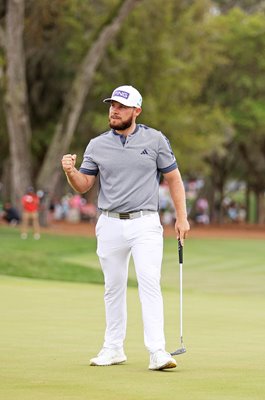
x=68, y=163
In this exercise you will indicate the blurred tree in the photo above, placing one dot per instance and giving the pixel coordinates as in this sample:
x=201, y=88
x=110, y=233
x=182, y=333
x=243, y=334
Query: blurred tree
x=16, y=103
x=170, y=66
x=199, y=73
x=75, y=98
x=249, y=6
x=238, y=87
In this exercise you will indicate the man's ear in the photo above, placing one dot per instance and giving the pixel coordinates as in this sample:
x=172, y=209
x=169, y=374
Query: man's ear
x=138, y=111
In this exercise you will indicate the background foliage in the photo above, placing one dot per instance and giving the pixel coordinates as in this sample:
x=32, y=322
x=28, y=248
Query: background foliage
x=199, y=65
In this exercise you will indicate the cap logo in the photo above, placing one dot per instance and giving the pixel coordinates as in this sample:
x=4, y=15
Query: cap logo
x=121, y=93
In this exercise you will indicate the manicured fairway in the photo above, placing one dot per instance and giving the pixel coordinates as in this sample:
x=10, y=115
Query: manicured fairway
x=50, y=329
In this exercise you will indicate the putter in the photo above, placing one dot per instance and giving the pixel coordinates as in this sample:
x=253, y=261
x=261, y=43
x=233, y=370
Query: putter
x=182, y=349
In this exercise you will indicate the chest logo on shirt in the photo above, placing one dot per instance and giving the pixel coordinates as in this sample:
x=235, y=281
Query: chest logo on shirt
x=144, y=152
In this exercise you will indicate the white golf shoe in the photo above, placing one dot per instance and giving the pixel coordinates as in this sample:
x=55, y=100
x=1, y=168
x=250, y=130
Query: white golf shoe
x=161, y=360
x=108, y=357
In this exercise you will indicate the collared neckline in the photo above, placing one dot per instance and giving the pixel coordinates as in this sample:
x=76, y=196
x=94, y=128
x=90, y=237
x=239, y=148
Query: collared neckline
x=120, y=134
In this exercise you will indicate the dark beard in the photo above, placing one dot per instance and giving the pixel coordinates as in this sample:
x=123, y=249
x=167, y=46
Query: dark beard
x=122, y=126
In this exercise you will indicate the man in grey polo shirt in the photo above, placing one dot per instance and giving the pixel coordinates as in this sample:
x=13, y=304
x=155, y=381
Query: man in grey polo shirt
x=129, y=159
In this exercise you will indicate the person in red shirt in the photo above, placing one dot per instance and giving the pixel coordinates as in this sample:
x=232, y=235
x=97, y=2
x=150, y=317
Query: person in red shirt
x=30, y=214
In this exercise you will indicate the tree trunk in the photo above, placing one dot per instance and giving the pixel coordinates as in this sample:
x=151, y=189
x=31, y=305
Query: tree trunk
x=5, y=185
x=211, y=200
x=16, y=101
x=220, y=214
x=51, y=168
x=247, y=203
x=256, y=206
x=2, y=38
x=260, y=208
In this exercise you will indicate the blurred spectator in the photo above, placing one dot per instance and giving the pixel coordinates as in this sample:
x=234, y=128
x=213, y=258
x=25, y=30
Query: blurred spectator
x=30, y=214
x=65, y=204
x=58, y=210
x=10, y=214
x=44, y=204
x=232, y=211
x=73, y=208
x=202, y=211
x=166, y=208
x=74, y=214
x=88, y=212
x=242, y=213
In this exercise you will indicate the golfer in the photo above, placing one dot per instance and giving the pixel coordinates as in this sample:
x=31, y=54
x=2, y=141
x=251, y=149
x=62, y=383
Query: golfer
x=129, y=159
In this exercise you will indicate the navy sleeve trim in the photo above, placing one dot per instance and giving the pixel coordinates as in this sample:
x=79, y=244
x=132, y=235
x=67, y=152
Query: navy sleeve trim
x=89, y=171
x=168, y=169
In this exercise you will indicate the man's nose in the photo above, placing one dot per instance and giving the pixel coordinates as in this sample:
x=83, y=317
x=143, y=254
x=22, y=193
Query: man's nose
x=114, y=111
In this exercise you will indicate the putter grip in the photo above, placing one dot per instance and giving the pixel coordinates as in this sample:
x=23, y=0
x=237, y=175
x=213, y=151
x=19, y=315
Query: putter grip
x=180, y=249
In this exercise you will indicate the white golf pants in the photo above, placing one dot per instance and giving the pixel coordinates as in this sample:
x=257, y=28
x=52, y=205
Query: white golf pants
x=143, y=238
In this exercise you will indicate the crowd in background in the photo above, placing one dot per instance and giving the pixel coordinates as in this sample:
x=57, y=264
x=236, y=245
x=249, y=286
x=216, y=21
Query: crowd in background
x=73, y=208
x=37, y=209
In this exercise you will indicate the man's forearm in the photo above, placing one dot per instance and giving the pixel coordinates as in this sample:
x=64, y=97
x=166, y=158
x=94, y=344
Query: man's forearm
x=79, y=182
x=177, y=192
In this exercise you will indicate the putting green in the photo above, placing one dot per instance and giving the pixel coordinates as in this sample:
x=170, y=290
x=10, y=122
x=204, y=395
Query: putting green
x=49, y=331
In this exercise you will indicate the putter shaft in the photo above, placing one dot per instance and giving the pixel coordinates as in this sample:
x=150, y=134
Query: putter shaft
x=180, y=254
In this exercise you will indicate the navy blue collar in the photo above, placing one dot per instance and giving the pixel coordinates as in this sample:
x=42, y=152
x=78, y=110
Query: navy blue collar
x=120, y=134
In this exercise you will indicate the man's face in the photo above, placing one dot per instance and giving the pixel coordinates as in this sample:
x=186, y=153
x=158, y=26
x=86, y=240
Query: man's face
x=121, y=117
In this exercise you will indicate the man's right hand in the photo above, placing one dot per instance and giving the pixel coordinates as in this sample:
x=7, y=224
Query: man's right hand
x=68, y=163
x=81, y=183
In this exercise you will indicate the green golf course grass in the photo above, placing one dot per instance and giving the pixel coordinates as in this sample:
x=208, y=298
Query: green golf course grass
x=52, y=325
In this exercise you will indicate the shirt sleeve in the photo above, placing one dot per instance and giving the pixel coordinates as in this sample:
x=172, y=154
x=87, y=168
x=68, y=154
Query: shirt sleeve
x=89, y=166
x=166, y=161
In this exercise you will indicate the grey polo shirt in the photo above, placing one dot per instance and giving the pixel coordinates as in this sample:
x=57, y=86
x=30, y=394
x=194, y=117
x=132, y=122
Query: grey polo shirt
x=129, y=168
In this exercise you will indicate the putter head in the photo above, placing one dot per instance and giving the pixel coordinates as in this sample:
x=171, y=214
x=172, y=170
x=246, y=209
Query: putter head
x=182, y=350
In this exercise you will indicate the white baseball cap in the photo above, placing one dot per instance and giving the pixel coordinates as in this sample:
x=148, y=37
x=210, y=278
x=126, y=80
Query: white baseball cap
x=126, y=95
